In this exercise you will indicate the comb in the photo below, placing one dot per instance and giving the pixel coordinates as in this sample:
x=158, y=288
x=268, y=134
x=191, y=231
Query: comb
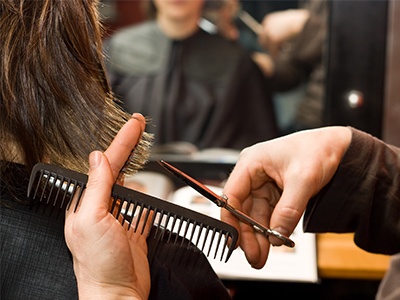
x=53, y=188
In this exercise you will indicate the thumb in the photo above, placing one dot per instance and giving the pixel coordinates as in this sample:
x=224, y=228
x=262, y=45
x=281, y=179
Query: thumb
x=98, y=190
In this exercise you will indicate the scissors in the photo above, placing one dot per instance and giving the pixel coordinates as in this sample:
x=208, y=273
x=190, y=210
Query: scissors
x=222, y=201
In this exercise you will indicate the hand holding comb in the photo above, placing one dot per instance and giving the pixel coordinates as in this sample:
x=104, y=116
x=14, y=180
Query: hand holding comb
x=54, y=187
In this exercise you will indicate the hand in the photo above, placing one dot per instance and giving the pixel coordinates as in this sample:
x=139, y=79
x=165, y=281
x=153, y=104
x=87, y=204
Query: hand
x=265, y=63
x=224, y=22
x=273, y=181
x=110, y=262
x=278, y=27
x=222, y=14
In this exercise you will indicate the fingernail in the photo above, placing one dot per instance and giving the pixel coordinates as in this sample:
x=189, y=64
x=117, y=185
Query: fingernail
x=139, y=117
x=94, y=159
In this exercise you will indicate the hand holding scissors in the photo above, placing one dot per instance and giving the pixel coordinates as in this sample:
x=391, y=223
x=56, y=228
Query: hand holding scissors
x=222, y=201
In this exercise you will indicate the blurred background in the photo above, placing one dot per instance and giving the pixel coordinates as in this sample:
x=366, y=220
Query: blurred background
x=341, y=66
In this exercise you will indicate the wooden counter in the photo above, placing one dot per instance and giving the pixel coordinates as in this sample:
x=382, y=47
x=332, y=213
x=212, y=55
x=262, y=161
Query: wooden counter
x=339, y=257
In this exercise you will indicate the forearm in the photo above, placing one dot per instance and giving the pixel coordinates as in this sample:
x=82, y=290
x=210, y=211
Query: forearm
x=363, y=196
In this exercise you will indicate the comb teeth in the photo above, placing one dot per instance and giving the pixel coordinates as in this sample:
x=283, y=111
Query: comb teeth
x=50, y=189
x=53, y=188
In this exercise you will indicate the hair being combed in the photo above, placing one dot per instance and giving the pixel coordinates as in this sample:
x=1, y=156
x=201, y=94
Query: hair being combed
x=56, y=104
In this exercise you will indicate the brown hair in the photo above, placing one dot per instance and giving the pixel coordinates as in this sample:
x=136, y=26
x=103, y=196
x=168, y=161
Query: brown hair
x=55, y=102
x=149, y=9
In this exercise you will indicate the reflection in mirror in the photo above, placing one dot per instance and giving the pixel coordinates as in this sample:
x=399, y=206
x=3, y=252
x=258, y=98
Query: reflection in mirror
x=391, y=113
x=214, y=96
x=196, y=86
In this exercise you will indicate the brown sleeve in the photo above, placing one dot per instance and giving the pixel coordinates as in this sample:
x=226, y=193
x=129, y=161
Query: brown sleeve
x=362, y=197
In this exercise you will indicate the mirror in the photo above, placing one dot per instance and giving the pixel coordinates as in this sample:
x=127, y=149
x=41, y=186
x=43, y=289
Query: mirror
x=357, y=72
x=356, y=64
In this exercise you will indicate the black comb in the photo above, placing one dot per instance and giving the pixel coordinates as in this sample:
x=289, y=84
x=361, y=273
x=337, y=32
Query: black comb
x=53, y=188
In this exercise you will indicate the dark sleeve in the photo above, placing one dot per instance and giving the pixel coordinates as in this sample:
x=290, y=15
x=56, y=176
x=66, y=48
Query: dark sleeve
x=362, y=197
x=247, y=95
x=304, y=52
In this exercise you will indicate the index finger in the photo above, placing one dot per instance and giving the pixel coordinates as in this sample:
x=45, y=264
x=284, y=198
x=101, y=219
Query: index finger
x=247, y=176
x=245, y=179
x=124, y=143
x=236, y=189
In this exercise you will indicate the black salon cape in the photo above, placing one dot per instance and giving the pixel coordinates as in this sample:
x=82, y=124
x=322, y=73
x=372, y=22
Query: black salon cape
x=36, y=263
x=205, y=89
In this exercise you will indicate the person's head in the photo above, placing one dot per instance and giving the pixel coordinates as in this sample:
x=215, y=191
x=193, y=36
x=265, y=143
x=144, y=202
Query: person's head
x=56, y=103
x=175, y=9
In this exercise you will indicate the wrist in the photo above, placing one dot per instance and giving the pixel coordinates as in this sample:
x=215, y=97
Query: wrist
x=107, y=292
x=342, y=138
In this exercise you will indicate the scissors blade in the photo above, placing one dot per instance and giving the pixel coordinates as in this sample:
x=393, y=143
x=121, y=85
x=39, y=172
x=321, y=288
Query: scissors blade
x=221, y=201
x=202, y=189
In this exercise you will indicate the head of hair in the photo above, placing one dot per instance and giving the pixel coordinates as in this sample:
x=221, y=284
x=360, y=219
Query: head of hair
x=56, y=104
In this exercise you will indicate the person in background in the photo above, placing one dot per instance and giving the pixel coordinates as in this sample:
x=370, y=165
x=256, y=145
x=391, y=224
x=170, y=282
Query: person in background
x=195, y=86
x=342, y=179
x=56, y=106
x=289, y=51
